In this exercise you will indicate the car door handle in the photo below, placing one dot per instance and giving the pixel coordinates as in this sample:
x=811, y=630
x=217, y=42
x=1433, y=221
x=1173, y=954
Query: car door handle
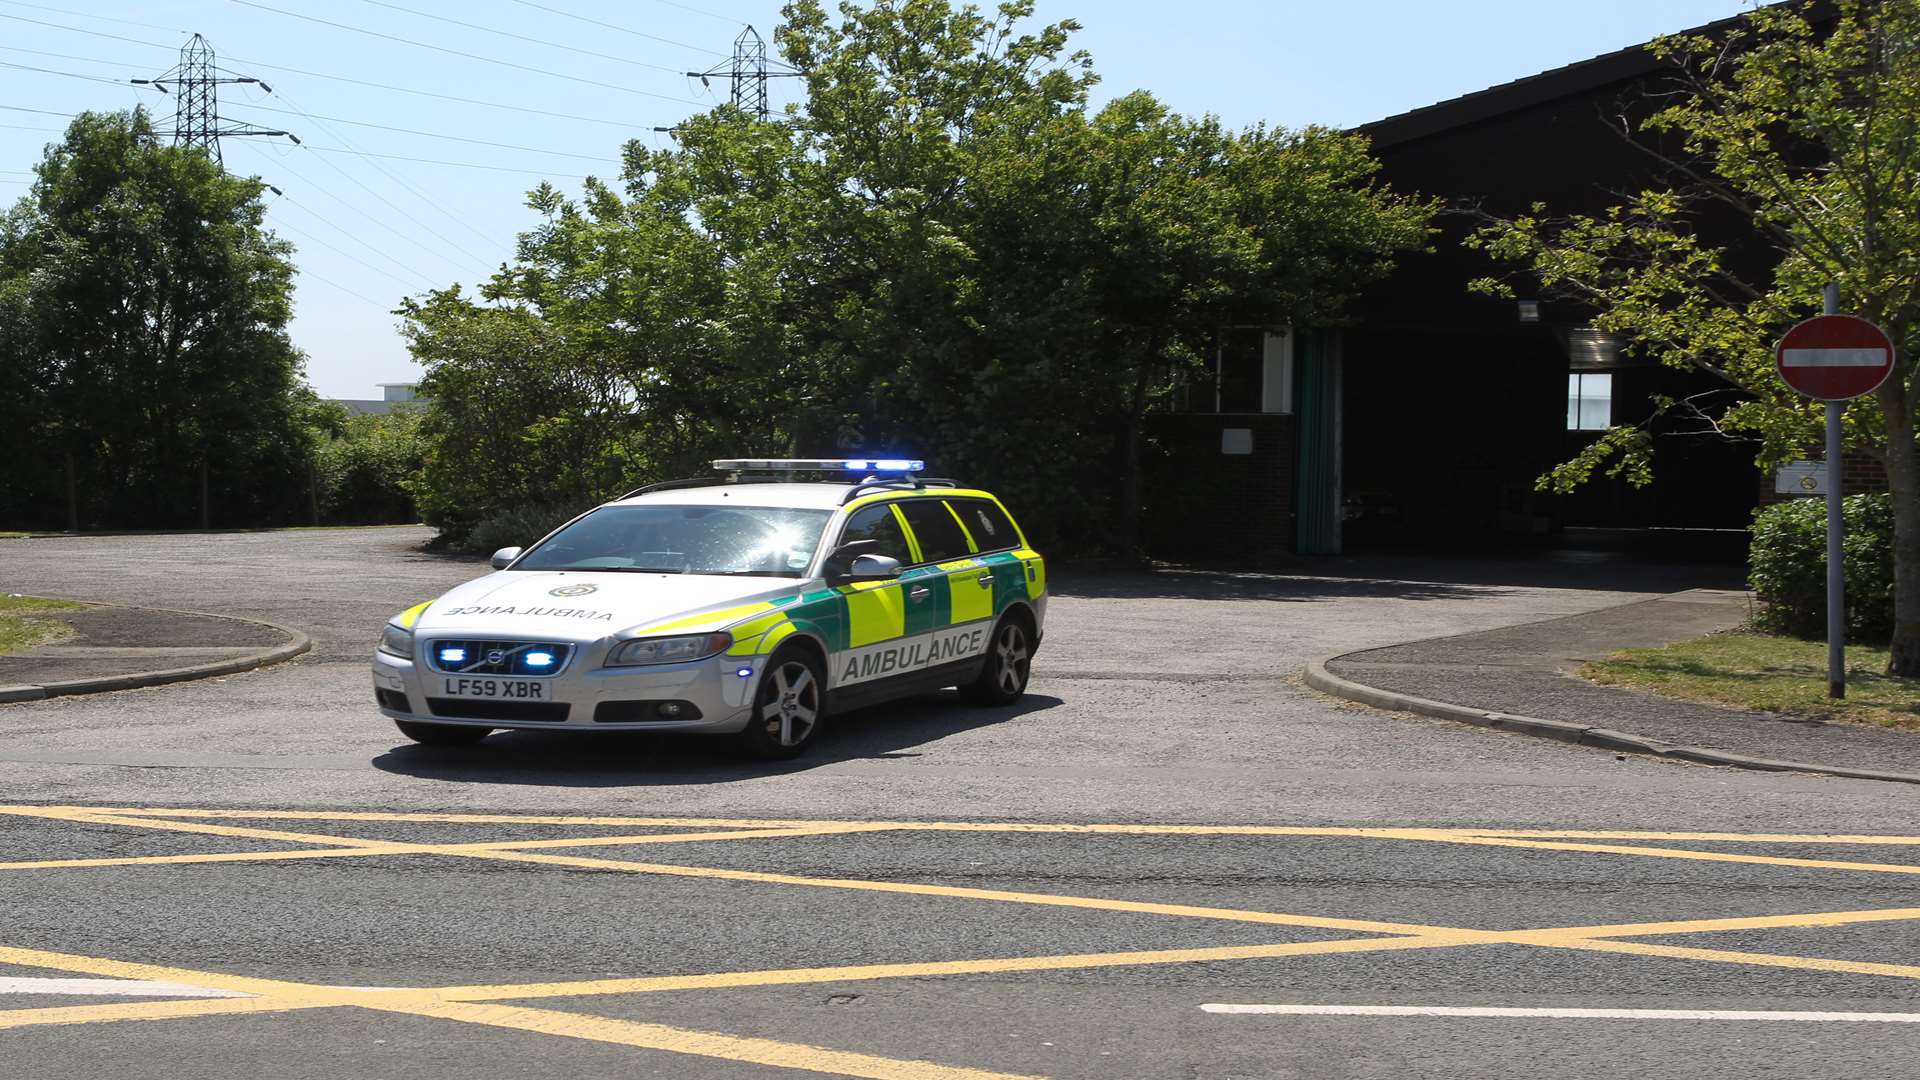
x=919, y=592
x=985, y=580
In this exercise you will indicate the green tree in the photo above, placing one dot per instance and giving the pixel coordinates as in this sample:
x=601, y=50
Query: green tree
x=941, y=253
x=1803, y=124
x=148, y=305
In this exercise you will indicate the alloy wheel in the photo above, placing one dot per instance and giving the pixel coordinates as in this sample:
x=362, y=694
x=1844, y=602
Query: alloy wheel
x=790, y=704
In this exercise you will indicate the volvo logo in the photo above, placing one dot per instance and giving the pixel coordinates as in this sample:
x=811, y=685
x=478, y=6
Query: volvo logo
x=496, y=656
x=573, y=590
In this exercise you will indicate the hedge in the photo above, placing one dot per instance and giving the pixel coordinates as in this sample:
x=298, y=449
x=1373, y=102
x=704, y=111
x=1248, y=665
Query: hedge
x=1789, y=567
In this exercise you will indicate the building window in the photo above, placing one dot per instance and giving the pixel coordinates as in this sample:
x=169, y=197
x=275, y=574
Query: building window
x=1589, y=402
x=1252, y=372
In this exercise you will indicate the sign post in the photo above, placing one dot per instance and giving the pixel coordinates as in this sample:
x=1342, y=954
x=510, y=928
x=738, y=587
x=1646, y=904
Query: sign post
x=1835, y=358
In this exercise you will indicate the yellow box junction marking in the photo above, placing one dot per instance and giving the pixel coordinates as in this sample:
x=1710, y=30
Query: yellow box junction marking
x=476, y=1004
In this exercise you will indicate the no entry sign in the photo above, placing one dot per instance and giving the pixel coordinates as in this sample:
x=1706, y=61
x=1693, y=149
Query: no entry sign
x=1834, y=357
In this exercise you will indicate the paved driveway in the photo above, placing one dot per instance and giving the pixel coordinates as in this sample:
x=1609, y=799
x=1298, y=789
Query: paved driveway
x=1172, y=697
x=1172, y=861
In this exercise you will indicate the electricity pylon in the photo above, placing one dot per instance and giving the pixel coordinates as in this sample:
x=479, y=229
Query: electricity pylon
x=196, y=116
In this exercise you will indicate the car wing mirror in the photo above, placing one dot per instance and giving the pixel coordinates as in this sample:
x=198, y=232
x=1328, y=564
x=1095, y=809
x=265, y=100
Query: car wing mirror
x=504, y=556
x=873, y=568
x=840, y=561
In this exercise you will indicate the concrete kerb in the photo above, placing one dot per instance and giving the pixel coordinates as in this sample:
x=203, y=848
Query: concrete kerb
x=295, y=644
x=1325, y=681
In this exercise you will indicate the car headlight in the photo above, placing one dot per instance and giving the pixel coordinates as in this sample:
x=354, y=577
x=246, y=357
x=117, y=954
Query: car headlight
x=668, y=650
x=397, y=640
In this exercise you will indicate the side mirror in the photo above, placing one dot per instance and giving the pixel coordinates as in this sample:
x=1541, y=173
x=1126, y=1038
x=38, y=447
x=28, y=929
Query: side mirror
x=840, y=561
x=873, y=568
x=504, y=556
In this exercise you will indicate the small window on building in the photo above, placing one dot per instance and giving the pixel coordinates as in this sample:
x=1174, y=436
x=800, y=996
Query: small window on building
x=1589, y=401
x=1251, y=372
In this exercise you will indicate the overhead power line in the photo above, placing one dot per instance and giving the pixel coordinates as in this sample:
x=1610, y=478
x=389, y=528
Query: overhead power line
x=467, y=55
x=406, y=237
x=432, y=203
x=435, y=135
x=85, y=15
x=455, y=164
x=281, y=163
x=84, y=30
x=701, y=11
x=304, y=273
x=627, y=124
x=69, y=74
x=42, y=112
x=336, y=150
x=121, y=64
x=616, y=26
x=344, y=253
x=520, y=37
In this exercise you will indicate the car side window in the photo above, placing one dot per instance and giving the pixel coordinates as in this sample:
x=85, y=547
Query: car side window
x=939, y=535
x=991, y=528
x=878, y=523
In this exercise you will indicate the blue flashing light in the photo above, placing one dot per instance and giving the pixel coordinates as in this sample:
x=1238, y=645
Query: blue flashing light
x=539, y=659
x=884, y=465
x=453, y=656
x=745, y=673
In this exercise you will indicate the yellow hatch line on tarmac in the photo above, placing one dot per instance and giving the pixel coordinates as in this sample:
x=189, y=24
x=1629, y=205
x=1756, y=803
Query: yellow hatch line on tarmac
x=1693, y=854
x=487, y=1005
x=1119, y=829
x=779, y=1055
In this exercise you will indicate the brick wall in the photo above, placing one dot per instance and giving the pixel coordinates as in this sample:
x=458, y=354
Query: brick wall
x=1202, y=503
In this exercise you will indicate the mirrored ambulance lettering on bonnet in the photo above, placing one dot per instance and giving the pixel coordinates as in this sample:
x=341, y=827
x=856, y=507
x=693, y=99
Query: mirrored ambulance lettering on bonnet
x=753, y=605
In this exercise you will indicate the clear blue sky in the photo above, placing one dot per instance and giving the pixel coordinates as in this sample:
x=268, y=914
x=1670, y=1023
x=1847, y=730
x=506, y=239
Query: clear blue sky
x=371, y=229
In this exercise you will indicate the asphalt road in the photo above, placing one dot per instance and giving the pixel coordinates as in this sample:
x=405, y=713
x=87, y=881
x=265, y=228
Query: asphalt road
x=1170, y=822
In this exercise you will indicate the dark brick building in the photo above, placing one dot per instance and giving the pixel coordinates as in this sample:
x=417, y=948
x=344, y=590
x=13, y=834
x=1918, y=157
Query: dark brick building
x=1433, y=412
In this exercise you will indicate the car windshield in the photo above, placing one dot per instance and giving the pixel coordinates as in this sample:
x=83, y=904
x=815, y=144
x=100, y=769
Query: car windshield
x=771, y=541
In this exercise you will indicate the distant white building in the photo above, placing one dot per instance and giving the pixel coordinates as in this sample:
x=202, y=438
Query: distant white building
x=393, y=395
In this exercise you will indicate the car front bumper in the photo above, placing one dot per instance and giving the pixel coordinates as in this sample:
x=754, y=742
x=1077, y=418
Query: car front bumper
x=596, y=698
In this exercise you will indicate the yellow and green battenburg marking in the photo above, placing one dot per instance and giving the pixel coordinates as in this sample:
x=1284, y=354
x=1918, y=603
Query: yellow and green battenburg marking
x=870, y=612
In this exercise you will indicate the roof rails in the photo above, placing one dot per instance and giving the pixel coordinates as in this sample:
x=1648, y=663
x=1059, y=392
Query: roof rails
x=920, y=483
x=691, y=481
x=770, y=470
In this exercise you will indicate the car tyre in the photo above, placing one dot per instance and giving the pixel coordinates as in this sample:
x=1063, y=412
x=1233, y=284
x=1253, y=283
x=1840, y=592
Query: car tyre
x=787, y=707
x=442, y=734
x=1003, y=678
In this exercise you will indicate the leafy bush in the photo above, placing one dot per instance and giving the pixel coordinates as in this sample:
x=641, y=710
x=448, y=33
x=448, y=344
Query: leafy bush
x=516, y=526
x=1789, y=567
x=365, y=475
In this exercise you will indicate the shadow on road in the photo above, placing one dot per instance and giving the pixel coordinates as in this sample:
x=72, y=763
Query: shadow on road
x=639, y=759
x=1410, y=576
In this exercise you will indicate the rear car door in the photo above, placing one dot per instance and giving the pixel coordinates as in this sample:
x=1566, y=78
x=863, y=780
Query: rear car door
x=963, y=609
x=1017, y=572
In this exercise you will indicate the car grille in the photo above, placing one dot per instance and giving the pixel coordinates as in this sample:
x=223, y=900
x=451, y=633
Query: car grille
x=545, y=712
x=478, y=657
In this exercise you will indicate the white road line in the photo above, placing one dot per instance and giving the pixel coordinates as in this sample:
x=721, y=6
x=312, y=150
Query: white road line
x=1565, y=1014
x=110, y=988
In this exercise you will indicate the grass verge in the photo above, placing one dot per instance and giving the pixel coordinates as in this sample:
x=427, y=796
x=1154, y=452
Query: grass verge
x=1768, y=674
x=26, y=621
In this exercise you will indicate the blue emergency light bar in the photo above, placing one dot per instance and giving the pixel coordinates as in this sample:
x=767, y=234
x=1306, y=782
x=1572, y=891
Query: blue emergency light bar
x=859, y=465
